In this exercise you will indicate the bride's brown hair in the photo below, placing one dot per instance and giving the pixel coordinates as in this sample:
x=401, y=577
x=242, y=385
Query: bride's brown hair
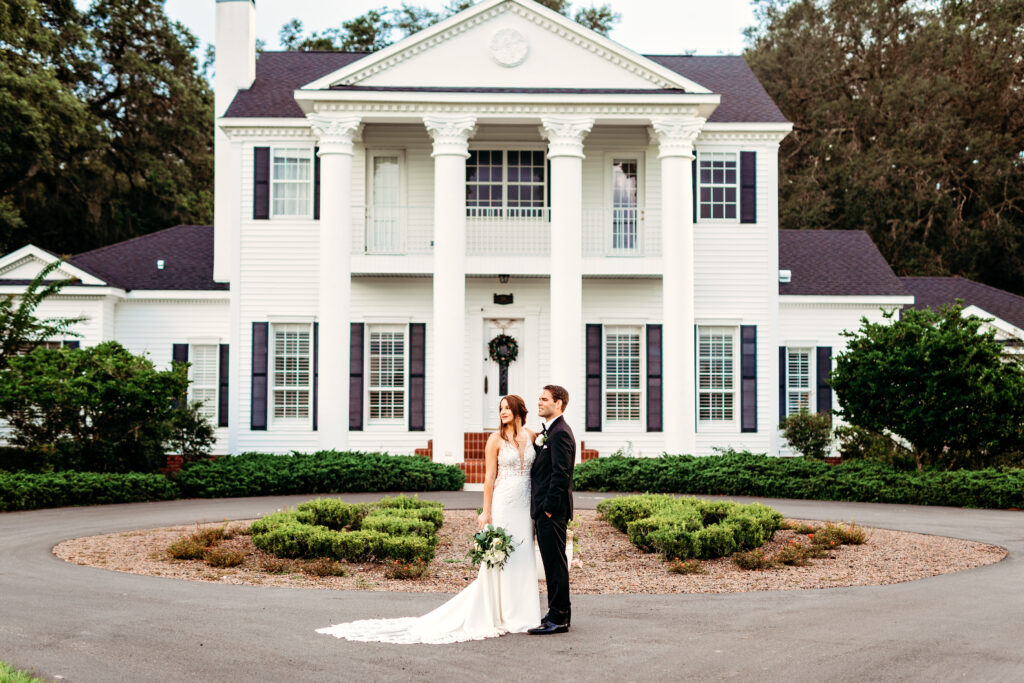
x=518, y=407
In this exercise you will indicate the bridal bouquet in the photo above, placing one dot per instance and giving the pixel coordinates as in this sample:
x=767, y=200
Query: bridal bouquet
x=492, y=545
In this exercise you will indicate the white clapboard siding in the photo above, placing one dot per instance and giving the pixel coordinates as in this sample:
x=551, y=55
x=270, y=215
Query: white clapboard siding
x=96, y=310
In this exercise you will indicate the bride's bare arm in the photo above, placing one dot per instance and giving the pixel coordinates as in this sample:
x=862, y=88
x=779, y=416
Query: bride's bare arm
x=490, y=474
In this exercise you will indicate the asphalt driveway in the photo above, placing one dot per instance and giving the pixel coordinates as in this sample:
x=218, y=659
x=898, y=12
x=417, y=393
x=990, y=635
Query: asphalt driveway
x=87, y=624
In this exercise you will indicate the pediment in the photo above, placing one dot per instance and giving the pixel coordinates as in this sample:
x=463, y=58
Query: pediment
x=507, y=44
x=26, y=263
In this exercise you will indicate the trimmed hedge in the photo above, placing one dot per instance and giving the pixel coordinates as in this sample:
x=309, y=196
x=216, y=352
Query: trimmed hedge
x=261, y=474
x=25, y=491
x=398, y=528
x=748, y=474
x=680, y=528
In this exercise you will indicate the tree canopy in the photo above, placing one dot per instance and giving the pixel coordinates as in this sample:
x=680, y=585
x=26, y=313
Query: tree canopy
x=906, y=124
x=107, y=124
x=381, y=27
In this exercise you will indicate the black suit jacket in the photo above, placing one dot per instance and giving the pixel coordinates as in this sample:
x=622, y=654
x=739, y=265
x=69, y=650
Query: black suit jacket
x=551, y=473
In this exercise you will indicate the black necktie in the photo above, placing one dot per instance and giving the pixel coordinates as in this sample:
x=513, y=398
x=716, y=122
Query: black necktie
x=544, y=429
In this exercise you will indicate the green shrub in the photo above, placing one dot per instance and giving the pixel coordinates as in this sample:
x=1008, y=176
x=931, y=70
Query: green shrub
x=261, y=474
x=747, y=474
x=332, y=513
x=399, y=526
x=407, y=548
x=752, y=560
x=219, y=557
x=434, y=516
x=794, y=554
x=810, y=434
x=404, y=502
x=680, y=528
x=25, y=491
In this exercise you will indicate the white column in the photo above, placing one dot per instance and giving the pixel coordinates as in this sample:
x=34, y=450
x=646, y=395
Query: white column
x=451, y=135
x=679, y=391
x=336, y=137
x=565, y=136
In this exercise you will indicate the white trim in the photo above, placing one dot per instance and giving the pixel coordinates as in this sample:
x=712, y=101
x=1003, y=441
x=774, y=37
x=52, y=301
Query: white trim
x=718, y=322
x=386, y=320
x=31, y=251
x=310, y=183
x=179, y=294
x=71, y=291
x=735, y=153
x=850, y=299
x=203, y=341
x=680, y=103
x=658, y=75
x=290, y=319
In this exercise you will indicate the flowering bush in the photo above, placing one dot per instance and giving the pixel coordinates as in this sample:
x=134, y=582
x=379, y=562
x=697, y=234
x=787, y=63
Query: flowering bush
x=399, y=569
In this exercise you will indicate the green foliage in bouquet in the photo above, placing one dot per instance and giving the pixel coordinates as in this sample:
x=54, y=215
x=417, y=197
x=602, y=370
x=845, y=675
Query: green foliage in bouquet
x=681, y=528
x=491, y=545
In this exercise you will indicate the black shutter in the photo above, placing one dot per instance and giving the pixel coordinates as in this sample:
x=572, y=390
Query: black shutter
x=782, y=383
x=261, y=183
x=355, y=379
x=748, y=187
x=258, y=407
x=316, y=375
x=72, y=344
x=222, y=387
x=748, y=378
x=654, y=413
x=693, y=180
x=824, y=367
x=593, y=378
x=417, y=376
x=179, y=353
x=316, y=188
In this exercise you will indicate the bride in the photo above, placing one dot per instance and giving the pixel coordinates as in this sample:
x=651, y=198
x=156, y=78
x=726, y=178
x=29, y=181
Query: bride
x=499, y=601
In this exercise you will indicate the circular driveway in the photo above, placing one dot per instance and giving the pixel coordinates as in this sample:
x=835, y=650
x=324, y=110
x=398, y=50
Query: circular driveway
x=88, y=624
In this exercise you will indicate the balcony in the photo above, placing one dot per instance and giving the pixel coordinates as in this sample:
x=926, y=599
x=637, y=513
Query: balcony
x=400, y=239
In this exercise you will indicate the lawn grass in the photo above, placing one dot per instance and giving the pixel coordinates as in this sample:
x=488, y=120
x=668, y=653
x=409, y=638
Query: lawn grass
x=10, y=675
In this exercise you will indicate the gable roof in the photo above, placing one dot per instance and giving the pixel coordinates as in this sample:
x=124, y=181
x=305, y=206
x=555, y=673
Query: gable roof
x=935, y=292
x=186, y=250
x=280, y=74
x=835, y=263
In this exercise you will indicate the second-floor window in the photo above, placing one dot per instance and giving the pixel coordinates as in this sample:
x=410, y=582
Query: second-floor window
x=625, y=205
x=718, y=186
x=510, y=183
x=291, y=182
x=291, y=372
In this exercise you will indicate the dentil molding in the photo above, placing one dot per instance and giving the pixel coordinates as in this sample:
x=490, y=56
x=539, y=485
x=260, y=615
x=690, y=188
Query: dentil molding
x=675, y=135
x=565, y=134
x=336, y=134
x=450, y=134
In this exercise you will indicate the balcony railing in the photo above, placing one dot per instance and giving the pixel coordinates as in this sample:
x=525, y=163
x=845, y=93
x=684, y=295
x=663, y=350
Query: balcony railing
x=409, y=230
x=621, y=232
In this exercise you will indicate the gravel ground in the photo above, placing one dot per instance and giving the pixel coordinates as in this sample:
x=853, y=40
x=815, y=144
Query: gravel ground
x=610, y=564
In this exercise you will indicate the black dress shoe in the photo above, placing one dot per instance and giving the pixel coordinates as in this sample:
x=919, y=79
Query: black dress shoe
x=548, y=627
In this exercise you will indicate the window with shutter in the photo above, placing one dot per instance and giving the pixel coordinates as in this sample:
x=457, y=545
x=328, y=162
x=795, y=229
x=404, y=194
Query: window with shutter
x=204, y=378
x=387, y=373
x=798, y=380
x=716, y=376
x=622, y=392
x=718, y=186
x=291, y=375
x=291, y=182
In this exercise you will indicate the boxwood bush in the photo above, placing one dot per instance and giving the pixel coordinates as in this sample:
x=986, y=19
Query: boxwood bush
x=261, y=474
x=26, y=491
x=680, y=528
x=399, y=528
x=748, y=474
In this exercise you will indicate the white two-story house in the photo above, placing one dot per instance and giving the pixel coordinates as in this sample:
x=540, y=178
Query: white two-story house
x=381, y=218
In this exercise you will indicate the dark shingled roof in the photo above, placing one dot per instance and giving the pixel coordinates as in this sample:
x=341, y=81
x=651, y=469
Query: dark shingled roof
x=935, y=292
x=835, y=263
x=187, y=252
x=279, y=74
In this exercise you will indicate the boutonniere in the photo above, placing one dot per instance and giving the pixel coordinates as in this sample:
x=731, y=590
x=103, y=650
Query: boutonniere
x=540, y=440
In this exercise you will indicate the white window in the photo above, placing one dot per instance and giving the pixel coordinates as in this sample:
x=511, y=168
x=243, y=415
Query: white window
x=716, y=375
x=511, y=183
x=622, y=374
x=387, y=359
x=204, y=377
x=384, y=227
x=718, y=175
x=625, y=205
x=291, y=181
x=292, y=375
x=798, y=380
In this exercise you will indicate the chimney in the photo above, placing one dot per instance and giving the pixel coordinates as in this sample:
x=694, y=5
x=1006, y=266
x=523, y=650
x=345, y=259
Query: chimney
x=236, y=50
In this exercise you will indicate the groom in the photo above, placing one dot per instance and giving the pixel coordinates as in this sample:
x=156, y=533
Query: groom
x=551, y=504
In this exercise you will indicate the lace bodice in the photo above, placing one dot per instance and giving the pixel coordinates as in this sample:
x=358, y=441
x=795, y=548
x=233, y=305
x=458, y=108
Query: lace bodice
x=509, y=462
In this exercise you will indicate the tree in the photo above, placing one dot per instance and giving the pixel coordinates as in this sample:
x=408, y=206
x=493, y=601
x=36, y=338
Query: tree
x=19, y=328
x=97, y=409
x=906, y=124
x=938, y=382
x=810, y=434
x=379, y=28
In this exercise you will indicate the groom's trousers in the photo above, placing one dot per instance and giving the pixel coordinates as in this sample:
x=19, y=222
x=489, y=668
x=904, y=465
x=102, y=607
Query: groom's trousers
x=551, y=533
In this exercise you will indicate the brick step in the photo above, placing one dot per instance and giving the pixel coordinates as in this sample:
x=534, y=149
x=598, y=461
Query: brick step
x=474, y=465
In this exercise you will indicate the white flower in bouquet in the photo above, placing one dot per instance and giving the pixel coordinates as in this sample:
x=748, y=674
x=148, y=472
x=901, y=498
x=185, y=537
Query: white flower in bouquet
x=492, y=546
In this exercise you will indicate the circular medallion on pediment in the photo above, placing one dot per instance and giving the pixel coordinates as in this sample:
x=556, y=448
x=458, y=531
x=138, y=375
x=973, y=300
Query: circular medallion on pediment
x=509, y=48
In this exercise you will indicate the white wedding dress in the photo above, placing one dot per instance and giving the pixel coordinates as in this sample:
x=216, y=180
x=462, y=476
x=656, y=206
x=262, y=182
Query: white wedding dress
x=498, y=601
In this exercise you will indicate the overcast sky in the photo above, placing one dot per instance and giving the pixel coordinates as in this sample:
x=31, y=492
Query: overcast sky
x=647, y=26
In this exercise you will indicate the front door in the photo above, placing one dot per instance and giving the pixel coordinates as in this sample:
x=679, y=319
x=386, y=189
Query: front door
x=499, y=382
